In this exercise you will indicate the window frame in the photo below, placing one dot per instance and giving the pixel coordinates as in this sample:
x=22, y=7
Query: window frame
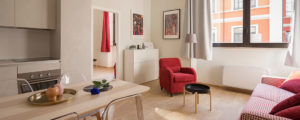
x=247, y=33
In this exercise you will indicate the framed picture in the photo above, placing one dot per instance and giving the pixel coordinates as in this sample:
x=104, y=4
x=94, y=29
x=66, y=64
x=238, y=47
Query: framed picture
x=137, y=29
x=171, y=24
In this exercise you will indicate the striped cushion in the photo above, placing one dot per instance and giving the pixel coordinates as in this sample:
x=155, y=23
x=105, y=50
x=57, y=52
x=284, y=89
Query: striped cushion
x=258, y=109
x=274, y=81
x=271, y=93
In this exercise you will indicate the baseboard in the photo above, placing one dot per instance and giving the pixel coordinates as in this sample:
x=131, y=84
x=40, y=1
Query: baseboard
x=229, y=88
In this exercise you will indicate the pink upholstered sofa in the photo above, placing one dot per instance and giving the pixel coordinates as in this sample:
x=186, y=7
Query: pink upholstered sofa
x=264, y=97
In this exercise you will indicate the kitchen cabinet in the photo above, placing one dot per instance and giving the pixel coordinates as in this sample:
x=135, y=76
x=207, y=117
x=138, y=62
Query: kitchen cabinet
x=7, y=13
x=40, y=14
x=141, y=65
x=8, y=81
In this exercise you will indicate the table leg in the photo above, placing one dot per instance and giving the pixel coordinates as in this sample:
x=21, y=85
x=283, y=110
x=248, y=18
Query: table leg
x=196, y=103
x=183, y=96
x=98, y=116
x=139, y=107
x=210, y=101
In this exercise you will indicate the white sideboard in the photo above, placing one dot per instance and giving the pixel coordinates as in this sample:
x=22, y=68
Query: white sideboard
x=141, y=65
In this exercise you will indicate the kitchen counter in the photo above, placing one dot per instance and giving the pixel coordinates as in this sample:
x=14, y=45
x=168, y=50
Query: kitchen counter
x=11, y=62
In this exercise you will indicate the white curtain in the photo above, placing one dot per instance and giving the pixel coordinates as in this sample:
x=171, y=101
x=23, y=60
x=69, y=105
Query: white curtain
x=200, y=24
x=293, y=54
x=185, y=46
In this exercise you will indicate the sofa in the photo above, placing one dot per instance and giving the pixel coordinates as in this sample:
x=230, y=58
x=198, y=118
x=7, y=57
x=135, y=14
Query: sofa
x=265, y=96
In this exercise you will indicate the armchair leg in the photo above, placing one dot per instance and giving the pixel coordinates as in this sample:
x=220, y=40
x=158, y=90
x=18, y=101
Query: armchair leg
x=161, y=88
x=171, y=94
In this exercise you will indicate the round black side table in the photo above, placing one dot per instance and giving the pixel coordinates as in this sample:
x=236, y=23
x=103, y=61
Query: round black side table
x=196, y=89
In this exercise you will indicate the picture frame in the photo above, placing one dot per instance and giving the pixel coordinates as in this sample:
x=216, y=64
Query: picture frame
x=137, y=25
x=171, y=24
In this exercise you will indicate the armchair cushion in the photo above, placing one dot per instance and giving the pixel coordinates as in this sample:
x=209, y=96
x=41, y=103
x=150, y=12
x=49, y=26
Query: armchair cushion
x=175, y=69
x=183, y=77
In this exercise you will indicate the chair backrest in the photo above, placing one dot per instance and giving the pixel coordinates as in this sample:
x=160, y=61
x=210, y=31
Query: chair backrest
x=170, y=62
x=104, y=115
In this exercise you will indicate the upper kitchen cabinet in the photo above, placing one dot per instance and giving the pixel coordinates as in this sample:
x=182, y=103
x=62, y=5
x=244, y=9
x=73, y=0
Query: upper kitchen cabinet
x=7, y=13
x=39, y=14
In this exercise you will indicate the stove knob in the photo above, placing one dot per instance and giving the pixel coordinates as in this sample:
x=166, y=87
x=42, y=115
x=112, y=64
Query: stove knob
x=41, y=75
x=32, y=76
x=49, y=74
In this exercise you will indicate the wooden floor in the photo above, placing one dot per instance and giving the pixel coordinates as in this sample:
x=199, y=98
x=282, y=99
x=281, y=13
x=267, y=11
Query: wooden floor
x=158, y=105
x=103, y=72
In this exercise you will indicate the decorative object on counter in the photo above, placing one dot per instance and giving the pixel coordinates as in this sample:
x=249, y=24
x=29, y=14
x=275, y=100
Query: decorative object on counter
x=60, y=89
x=148, y=45
x=52, y=93
x=42, y=99
x=100, y=85
x=132, y=47
x=171, y=24
x=137, y=27
x=95, y=91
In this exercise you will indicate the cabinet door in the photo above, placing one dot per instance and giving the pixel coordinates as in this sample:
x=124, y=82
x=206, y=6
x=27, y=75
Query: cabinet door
x=8, y=80
x=7, y=13
x=39, y=14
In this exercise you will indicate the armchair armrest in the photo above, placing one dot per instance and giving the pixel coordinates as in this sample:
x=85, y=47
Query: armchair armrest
x=166, y=74
x=188, y=70
x=272, y=80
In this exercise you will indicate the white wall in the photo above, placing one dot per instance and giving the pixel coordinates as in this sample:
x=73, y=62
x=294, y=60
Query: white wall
x=124, y=8
x=105, y=59
x=167, y=48
x=24, y=43
x=76, y=42
x=211, y=71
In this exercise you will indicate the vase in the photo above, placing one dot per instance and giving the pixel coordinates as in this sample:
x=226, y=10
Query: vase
x=52, y=93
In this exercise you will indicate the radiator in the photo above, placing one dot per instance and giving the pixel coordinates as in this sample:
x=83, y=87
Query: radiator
x=244, y=77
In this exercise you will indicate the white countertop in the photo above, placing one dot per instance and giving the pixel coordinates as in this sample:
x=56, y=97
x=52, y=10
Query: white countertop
x=16, y=62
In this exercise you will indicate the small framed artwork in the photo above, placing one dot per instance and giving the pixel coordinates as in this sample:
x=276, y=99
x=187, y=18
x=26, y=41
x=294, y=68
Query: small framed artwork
x=137, y=25
x=171, y=29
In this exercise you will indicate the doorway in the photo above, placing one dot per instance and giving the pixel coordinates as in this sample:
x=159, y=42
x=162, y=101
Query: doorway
x=105, y=44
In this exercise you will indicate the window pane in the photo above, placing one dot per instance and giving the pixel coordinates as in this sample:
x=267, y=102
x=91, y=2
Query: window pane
x=272, y=21
x=227, y=21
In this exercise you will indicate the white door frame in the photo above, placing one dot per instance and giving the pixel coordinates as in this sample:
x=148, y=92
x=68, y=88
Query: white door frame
x=117, y=37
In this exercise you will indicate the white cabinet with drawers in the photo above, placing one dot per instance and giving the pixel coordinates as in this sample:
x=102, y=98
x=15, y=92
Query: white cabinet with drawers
x=141, y=65
x=8, y=81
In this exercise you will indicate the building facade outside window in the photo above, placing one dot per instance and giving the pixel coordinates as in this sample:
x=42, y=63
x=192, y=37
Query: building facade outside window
x=271, y=27
x=238, y=4
x=238, y=33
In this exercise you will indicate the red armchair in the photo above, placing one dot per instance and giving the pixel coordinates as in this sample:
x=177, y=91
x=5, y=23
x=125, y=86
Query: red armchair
x=173, y=77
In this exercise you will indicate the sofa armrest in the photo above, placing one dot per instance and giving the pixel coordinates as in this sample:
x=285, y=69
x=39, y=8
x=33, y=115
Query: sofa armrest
x=188, y=70
x=272, y=80
x=261, y=116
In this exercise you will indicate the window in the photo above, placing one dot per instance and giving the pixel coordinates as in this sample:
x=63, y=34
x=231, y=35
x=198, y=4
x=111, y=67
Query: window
x=213, y=6
x=289, y=7
x=245, y=23
x=238, y=4
x=238, y=33
x=214, y=35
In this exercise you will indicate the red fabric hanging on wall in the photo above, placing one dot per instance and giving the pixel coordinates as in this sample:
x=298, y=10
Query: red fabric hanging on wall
x=105, y=46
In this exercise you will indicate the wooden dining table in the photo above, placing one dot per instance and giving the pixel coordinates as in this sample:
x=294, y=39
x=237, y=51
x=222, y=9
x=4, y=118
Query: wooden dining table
x=17, y=108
